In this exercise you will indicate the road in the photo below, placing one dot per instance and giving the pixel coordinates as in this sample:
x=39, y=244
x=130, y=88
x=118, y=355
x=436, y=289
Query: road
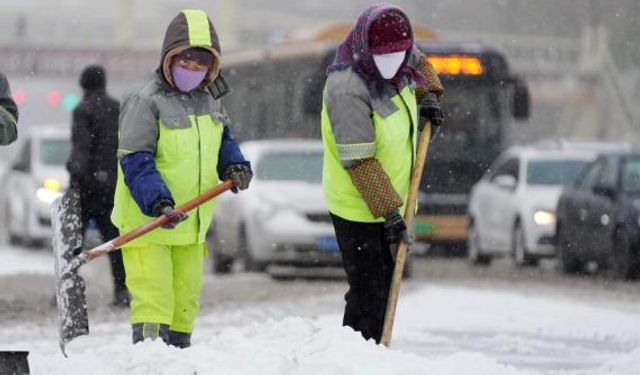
x=534, y=319
x=27, y=294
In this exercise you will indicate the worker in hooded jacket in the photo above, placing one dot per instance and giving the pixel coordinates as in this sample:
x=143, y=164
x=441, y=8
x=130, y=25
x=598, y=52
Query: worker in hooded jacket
x=379, y=93
x=174, y=144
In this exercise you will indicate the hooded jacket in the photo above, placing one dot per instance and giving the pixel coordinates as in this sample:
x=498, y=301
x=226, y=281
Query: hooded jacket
x=174, y=145
x=8, y=113
x=368, y=118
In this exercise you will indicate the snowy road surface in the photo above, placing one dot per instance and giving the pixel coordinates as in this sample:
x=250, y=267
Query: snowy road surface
x=451, y=319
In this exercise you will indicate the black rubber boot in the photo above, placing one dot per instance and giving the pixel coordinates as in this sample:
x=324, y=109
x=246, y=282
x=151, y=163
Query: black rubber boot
x=142, y=331
x=179, y=339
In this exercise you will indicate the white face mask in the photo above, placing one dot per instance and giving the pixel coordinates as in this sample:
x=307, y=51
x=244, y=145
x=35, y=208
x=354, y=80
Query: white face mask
x=389, y=63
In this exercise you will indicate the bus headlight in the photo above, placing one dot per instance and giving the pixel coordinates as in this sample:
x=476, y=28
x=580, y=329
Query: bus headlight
x=50, y=190
x=542, y=217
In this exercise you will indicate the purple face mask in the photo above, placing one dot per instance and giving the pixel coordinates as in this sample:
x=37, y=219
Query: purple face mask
x=185, y=79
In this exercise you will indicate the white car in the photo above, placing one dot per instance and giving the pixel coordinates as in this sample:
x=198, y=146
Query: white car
x=512, y=209
x=36, y=177
x=280, y=224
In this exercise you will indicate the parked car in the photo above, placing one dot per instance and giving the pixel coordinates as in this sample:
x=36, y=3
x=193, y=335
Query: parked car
x=599, y=217
x=36, y=177
x=280, y=222
x=512, y=209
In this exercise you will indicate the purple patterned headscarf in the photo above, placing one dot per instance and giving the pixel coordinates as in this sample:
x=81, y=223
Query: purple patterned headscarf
x=354, y=52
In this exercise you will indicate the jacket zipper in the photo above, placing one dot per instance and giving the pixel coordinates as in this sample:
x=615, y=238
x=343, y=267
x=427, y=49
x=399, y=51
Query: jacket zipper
x=195, y=119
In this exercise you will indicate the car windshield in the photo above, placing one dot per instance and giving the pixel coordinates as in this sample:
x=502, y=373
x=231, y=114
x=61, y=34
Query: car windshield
x=553, y=172
x=54, y=151
x=291, y=166
x=631, y=176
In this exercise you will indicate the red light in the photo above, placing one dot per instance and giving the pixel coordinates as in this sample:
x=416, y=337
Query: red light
x=54, y=98
x=19, y=96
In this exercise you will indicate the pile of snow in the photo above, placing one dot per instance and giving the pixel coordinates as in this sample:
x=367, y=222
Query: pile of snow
x=439, y=331
x=288, y=346
x=433, y=309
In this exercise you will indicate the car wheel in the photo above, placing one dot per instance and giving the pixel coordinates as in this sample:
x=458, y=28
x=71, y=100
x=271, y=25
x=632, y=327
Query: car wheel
x=474, y=253
x=622, y=261
x=568, y=259
x=250, y=264
x=519, y=254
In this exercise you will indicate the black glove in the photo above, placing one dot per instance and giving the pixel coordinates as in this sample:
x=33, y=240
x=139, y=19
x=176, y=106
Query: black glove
x=396, y=229
x=240, y=174
x=430, y=111
x=165, y=207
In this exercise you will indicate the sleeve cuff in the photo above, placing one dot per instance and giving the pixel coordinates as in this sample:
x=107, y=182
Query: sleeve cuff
x=357, y=151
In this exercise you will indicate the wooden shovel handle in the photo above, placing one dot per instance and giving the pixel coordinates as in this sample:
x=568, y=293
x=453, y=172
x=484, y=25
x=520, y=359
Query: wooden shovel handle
x=401, y=254
x=155, y=223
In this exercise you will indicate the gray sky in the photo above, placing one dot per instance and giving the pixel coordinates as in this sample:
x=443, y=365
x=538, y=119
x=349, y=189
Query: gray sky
x=252, y=23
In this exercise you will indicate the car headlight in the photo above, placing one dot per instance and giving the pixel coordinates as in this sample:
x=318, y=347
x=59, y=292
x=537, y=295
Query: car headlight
x=543, y=217
x=50, y=190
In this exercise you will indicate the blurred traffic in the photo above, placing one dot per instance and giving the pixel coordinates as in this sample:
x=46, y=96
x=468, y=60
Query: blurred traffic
x=598, y=217
x=490, y=188
x=283, y=224
x=36, y=176
x=512, y=209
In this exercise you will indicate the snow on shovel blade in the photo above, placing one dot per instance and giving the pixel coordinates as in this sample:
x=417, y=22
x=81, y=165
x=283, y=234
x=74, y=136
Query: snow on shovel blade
x=66, y=220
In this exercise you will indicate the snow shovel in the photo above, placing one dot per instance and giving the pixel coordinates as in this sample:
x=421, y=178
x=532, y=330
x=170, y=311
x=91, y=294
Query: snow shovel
x=68, y=254
x=401, y=253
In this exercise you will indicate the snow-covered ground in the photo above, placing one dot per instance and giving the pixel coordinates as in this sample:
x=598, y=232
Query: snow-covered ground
x=440, y=329
x=15, y=261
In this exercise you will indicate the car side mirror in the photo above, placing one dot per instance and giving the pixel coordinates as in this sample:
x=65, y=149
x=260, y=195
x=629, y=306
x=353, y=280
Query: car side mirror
x=506, y=181
x=604, y=190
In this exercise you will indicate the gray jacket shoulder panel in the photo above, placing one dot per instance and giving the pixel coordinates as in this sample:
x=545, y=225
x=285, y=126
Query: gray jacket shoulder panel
x=138, y=129
x=348, y=104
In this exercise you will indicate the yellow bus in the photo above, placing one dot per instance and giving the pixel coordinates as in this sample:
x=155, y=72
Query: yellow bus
x=277, y=93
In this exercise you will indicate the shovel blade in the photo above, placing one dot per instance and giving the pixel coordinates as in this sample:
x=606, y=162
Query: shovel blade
x=66, y=221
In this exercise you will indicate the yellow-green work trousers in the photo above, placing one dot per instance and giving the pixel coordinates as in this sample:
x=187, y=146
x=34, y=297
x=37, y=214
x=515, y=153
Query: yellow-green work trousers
x=165, y=282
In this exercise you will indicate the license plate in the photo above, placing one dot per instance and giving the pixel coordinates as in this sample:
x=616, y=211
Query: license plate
x=327, y=244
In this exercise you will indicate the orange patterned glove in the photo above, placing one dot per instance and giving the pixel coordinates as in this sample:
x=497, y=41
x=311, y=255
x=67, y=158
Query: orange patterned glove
x=374, y=185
